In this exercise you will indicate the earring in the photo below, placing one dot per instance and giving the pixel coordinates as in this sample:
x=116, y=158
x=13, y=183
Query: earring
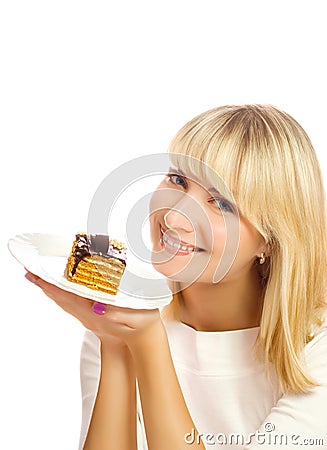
x=262, y=258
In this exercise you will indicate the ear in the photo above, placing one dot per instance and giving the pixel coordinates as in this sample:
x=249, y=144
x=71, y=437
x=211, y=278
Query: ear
x=264, y=248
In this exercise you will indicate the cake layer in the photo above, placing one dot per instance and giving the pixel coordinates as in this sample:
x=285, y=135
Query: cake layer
x=87, y=265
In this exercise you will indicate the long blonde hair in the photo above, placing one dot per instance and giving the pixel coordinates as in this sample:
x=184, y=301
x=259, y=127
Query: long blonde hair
x=269, y=165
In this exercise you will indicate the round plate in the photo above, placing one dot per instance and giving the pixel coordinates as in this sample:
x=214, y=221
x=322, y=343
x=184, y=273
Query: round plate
x=45, y=255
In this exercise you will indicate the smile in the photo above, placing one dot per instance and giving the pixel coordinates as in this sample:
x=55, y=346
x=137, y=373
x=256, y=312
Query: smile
x=177, y=247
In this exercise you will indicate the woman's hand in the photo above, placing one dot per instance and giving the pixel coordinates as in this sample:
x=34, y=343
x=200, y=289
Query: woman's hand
x=113, y=420
x=124, y=326
x=143, y=336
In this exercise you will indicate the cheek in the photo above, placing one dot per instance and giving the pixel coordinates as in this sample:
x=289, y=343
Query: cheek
x=155, y=234
x=250, y=243
x=226, y=230
x=217, y=256
x=156, y=212
x=153, y=204
x=226, y=237
x=219, y=237
x=153, y=219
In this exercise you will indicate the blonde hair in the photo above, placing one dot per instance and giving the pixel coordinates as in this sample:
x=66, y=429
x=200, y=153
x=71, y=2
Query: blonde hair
x=270, y=167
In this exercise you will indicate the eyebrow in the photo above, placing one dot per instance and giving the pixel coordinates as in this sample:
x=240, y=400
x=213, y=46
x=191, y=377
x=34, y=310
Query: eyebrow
x=177, y=171
x=215, y=191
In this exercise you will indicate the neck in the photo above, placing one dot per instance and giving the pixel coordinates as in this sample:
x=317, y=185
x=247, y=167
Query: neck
x=227, y=305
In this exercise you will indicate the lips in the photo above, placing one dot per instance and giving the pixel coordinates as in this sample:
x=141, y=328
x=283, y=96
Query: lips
x=176, y=246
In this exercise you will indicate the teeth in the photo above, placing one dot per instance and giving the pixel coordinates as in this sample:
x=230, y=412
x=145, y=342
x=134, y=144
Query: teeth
x=178, y=246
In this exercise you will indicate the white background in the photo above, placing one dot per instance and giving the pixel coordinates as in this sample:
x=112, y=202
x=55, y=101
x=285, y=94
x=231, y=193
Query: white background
x=86, y=86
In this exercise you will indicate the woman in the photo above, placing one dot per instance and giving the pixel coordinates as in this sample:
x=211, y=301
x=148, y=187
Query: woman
x=239, y=358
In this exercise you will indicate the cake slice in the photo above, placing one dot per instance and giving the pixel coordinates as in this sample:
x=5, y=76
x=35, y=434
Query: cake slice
x=97, y=262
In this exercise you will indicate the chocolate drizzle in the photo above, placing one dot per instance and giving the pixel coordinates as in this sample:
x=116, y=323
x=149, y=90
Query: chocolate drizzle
x=97, y=244
x=81, y=250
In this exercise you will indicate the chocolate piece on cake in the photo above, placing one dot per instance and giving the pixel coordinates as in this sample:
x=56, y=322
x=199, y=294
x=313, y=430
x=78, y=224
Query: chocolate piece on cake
x=96, y=262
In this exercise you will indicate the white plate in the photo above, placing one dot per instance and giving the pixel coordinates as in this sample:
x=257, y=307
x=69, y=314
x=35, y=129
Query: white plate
x=45, y=255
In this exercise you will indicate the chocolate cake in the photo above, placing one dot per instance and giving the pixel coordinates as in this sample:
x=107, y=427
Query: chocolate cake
x=97, y=262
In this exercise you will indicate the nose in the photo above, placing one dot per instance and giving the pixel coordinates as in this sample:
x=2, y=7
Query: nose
x=180, y=217
x=176, y=220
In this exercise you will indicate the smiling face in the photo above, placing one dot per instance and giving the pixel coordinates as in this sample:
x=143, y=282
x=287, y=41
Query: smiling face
x=197, y=234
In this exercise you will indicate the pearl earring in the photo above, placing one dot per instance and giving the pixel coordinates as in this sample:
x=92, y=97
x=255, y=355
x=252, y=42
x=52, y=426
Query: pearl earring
x=262, y=258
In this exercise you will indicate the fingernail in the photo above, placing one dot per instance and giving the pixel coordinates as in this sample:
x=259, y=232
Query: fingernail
x=99, y=308
x=30, y=277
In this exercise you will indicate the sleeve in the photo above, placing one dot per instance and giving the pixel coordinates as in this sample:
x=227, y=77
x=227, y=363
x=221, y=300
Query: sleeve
x=90, y=375
x=299, y=420
x=90, y=365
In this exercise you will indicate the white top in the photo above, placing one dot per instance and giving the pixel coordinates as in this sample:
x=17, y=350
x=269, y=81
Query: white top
x=229, y=397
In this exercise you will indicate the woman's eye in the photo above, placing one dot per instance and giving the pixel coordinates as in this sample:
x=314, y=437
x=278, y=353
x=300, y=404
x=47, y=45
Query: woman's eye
x=224, y=205
x=177, y=179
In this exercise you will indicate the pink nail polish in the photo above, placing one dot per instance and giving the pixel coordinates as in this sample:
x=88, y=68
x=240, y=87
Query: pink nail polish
x=99, y=308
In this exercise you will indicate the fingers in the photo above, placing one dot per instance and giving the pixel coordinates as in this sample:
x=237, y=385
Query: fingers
x=131, y=318
x=99, y=308
x=93, y=315
x=66, y=300
x=31, y=277
x=39, y=282
x=96, y=316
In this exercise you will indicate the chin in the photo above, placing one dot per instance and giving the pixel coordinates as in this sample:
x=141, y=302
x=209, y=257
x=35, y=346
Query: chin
x=169, y=269
x=176, y=271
